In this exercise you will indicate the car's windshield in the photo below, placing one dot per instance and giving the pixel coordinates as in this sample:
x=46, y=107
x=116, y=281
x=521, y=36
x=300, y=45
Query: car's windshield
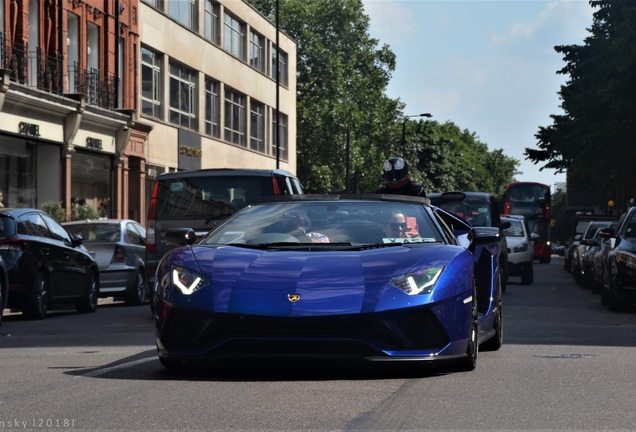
x=475, y=211
x=515, y=230
x=95, y=231
x=351, y=222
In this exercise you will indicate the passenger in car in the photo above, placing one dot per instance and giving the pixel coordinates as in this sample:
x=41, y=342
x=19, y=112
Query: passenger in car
x=396, y=226
x=297, y=224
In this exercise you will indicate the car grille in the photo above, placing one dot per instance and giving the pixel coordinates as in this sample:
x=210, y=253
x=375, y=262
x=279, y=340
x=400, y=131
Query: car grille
x=365, y=335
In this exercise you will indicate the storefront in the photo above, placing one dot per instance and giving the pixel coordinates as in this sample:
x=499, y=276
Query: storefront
x=17, y=163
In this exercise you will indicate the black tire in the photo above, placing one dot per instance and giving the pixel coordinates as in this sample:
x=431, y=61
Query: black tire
x=4, y=292
x=495, y=342
x=37, y=305
x=613, y=303
x=527, y=277
x=88, y=302
x=137, y=293
x=469, y=362
x=604, y=296
x=596, y=286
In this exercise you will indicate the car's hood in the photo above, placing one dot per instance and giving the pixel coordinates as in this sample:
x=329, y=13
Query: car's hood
x=261, y=282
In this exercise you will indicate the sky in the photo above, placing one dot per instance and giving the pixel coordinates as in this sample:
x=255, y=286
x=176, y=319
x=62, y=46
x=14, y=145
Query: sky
x=488, y=66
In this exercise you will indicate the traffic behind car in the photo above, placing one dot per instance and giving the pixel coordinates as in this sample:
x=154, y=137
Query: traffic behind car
x=579, y=250
x=46, y=266
x=520, y=248
x=479, y=209
x=201, y=199
x=119, y=248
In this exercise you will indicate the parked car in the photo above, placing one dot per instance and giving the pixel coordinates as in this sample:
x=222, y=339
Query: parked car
x=580, y=250
x=479, y=209
x=594, y=246
x=619, y=287
x=255, y=287
x=119, y=248
x=201, y=199
x=520, y=248
x=579, y=225
x=599, y=260
x=45, y=264
x=4, y=287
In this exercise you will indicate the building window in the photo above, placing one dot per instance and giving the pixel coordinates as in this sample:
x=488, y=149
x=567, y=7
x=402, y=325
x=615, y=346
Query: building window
x=211, y=21
x=151, y=83
x=234, y=37
x=257, y=126
x=212, y=108
x=282, y=61
x=185, y=12
x=183, y=96
x=157, y=4
x=235, y=124
x=257, y=51
x=282, y=136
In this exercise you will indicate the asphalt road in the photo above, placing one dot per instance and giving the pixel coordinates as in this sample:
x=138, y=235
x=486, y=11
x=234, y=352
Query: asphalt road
x=567, y=364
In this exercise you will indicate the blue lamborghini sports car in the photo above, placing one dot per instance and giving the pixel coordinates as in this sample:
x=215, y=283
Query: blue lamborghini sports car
x=371, y=277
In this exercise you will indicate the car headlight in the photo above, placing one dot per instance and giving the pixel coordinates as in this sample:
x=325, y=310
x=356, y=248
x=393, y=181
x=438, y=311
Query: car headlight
x=521, y=248
x=187, y=281
x=419, y=282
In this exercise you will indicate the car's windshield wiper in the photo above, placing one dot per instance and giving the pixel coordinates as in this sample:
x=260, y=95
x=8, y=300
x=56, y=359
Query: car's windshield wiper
x=297, y=245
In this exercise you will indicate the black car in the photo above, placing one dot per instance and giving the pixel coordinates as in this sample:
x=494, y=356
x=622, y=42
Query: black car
x=46, y=266
x=4, y=287
x=619, y=287
x=479, y=209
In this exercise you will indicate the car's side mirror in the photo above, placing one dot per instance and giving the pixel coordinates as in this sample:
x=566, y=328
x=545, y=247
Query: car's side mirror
x=180, y=237
x=534, y=237
x=77, y=240
x=478, y=236
x=505, y=225
x=606, y=233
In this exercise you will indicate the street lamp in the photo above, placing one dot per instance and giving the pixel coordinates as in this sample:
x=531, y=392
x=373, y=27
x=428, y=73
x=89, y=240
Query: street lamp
x=406, y=118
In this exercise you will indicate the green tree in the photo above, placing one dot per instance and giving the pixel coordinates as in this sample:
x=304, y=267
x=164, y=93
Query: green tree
x=341, y=78
x=593, y=138
x=449, y=158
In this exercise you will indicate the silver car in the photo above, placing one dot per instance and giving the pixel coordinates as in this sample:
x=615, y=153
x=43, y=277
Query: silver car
x=119, y=247
x=520, y=248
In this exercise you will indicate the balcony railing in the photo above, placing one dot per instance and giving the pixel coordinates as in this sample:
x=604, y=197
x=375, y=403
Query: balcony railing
x=100, y=91
x=46, y=73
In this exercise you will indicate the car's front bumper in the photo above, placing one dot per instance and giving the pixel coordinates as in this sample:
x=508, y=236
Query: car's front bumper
x=405, y=334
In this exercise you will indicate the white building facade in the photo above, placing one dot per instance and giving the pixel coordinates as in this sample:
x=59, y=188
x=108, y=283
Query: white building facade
x=209, y=87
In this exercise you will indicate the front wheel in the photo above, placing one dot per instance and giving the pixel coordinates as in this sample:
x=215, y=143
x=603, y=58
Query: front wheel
x=88, y=302
x=469, y=362
x=495, y=342
x=137, y=293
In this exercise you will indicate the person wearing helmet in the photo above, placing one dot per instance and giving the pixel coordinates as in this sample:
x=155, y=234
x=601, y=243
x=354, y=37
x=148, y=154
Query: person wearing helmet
x=397, y=180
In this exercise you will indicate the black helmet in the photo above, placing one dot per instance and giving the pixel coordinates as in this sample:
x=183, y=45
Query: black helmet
x=395, y=170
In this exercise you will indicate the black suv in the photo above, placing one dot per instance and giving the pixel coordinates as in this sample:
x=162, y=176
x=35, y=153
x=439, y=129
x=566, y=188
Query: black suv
x=201, y=199
x=479, y=209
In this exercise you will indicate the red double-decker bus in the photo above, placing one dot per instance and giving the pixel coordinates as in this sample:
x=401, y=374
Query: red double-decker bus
x=532, y=200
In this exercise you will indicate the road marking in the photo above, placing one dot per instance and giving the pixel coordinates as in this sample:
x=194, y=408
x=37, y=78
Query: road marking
x=119, y=366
